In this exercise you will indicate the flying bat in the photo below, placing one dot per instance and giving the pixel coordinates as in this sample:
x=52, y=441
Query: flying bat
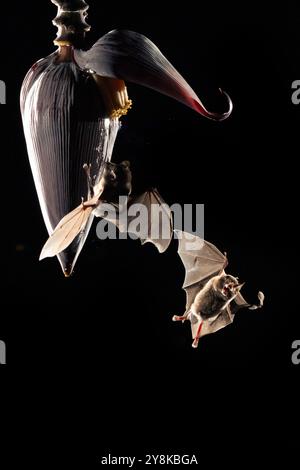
x=212, y=296
x=156, y=227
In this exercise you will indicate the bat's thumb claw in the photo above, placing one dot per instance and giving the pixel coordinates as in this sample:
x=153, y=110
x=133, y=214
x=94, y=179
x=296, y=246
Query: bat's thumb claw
x=175, y=318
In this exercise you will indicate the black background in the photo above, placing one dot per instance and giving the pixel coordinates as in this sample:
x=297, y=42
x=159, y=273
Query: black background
x=96, y=356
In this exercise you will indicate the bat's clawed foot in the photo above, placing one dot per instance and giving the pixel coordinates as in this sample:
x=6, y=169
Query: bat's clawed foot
x=195, y=343
x=87, y=168
x=179, y=318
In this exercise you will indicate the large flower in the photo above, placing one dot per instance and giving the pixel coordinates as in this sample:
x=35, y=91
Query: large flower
x=71, y=102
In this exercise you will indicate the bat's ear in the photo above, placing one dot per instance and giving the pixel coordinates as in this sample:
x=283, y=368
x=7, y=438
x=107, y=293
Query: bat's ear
x=240, y=286
x=125, y=163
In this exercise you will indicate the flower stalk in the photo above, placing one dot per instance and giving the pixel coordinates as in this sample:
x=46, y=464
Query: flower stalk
x=70, y=21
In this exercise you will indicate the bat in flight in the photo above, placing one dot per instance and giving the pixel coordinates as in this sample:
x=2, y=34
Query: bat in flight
x=212, y=296
x=103, y=202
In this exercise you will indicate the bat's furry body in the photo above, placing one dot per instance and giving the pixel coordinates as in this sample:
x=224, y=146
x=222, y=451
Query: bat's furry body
x=117, y=183
x=215, y=296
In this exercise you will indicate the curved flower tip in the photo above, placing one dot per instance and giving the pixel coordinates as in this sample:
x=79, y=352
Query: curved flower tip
x=199, y=108
x=132, y=57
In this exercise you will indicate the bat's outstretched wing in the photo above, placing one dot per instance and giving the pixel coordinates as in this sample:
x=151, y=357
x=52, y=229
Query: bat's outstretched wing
x=71, y=225
x=201, y=260
x=155, y=224
x=147, y=217
x=226, y=317
x=159, y=227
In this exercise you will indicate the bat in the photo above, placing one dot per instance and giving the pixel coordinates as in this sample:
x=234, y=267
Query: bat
x=115, y=182
x=212, y=296
x=116, y=179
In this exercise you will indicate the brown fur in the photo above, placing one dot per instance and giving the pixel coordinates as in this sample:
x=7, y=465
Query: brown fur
x=211, y=300
x=117, y=181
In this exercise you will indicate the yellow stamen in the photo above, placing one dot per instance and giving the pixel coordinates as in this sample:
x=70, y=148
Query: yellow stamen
x=115, y=96
x=62, y=43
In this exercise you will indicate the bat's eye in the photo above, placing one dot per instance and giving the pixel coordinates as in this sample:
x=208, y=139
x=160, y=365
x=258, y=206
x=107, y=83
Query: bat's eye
x=112, y=175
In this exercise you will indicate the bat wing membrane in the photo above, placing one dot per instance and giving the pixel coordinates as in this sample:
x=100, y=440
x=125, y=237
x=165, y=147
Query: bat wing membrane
x=201, y=260
x=157, y=230
x=68, y=228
